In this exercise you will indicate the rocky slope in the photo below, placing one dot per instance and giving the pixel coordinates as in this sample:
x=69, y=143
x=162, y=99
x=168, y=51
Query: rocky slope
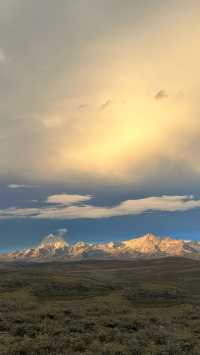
x=149, y=245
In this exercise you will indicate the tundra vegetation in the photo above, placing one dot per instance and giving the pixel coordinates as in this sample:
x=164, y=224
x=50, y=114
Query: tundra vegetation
x=137, y=307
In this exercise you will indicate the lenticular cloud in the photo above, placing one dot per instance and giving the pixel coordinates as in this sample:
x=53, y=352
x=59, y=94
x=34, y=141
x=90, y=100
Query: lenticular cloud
x=66, y=206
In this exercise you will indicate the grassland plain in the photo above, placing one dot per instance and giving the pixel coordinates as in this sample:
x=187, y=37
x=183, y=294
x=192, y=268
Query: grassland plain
x=138, y=307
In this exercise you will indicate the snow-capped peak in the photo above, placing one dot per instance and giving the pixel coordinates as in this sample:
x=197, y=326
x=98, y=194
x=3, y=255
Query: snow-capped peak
x=54, y=242
x=55, y=247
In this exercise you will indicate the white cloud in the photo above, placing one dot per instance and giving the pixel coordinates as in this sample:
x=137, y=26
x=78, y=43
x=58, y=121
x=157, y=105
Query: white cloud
x=67, y=199
x=19, y=186
x=62, y=231
x=64, y=208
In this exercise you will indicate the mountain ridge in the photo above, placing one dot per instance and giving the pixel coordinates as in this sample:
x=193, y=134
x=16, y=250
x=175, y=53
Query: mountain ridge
x=55, y=247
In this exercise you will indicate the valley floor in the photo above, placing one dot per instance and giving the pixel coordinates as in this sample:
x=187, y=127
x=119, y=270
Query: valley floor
x=139, y=307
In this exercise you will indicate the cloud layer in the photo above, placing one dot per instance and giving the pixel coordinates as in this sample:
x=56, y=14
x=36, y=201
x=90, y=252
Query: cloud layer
x=66, y=207
x=78, y=91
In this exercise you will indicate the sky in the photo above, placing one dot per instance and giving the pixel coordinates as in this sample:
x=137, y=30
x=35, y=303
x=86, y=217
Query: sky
x=99, y=119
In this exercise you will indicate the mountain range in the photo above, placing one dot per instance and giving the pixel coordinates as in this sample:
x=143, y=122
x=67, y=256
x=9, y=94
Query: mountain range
x=55, y=248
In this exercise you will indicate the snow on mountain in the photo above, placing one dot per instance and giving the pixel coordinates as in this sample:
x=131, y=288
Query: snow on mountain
x=148, y=244
x=54, y=247
x=78, y=249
